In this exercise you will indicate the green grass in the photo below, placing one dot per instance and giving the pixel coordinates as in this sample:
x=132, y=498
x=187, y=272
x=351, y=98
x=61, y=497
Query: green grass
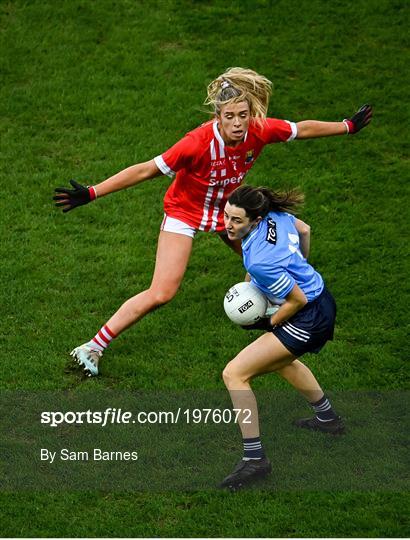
x=247, y=514
x=89, y=88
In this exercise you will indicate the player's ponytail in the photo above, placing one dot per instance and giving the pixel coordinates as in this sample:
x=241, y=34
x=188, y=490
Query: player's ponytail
x=259, y=201
x=239, y=84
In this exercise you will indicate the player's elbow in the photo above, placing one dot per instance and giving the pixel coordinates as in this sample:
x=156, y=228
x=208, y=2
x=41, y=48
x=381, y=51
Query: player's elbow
x=297, y=300
x=304, y=301
x=301, y=302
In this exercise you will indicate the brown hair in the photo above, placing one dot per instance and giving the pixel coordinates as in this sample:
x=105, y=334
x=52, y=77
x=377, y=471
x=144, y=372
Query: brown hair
x=261, y=200
x=239, y=84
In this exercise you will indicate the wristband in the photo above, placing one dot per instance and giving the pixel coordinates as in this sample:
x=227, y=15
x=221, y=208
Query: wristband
x=349, y=126
x=93, y=193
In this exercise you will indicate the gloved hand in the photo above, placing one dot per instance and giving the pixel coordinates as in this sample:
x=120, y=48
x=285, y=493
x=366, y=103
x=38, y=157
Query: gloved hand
x=71, y=198
x=262, y=324
x=359, y=120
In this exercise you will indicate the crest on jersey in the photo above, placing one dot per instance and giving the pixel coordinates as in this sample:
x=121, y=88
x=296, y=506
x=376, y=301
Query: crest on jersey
x=271, y=232
x=249, y=156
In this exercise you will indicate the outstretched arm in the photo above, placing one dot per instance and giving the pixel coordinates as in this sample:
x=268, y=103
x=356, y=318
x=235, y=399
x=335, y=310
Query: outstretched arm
x=128, y=177
x=310, y=129
x=80, y=195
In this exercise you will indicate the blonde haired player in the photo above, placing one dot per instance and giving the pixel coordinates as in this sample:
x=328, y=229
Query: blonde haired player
x=206, y=165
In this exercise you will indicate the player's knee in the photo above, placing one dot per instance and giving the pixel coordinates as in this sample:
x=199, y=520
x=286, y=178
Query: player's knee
x=226, y=376
x=163, y=296
x=230, y=376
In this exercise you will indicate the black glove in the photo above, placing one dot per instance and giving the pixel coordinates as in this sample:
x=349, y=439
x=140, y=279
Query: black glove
x=71, y=198
x=262, y=324
x=359, y=120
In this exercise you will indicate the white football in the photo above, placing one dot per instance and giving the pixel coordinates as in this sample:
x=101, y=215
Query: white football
x=245, y=304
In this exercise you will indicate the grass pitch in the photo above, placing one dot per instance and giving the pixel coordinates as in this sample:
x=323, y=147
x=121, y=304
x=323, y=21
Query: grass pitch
x=90, y=88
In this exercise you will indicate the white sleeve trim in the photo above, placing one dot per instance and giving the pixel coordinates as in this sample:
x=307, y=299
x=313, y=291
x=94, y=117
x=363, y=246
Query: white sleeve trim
x=163, y=167
x=294, y=129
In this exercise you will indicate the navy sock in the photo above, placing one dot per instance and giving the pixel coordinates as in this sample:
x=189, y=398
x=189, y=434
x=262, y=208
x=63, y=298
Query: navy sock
x=252, y=448
x=323, y=410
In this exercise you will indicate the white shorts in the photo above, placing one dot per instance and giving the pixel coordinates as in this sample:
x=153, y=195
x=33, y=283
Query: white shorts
x=170, y=224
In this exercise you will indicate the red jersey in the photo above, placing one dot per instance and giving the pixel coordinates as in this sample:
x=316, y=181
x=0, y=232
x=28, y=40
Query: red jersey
x=207, y=171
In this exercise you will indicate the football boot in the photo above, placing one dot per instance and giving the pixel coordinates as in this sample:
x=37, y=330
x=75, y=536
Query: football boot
x=246, y=472
x=334, y=427
x=87, y=357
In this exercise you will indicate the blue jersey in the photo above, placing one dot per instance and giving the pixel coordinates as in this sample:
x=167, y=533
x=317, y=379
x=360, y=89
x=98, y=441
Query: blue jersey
x=272, y=257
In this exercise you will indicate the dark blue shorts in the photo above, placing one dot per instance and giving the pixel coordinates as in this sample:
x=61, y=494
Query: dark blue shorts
x=310, y=328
